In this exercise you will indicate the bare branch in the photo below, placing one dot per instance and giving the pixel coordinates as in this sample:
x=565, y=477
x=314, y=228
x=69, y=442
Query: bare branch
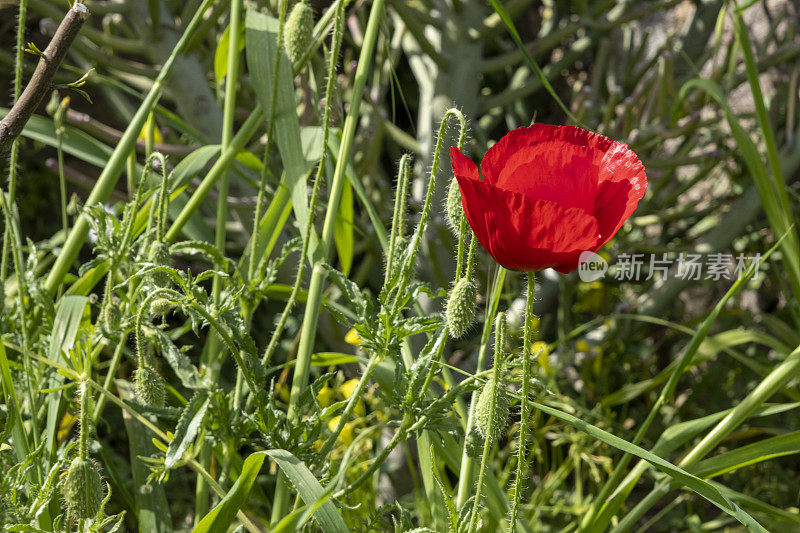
x=40, y=83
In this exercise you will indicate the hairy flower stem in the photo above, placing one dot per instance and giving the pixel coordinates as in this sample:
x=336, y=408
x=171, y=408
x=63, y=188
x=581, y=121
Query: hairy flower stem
x=262, y=185
x=318, y=179
x=524, y=407
x=416, y=240
x=398, y=216
x=12, y=163
x=499, y=342
x=83, y=439
x=465, y=477
x=314, y=302
x=22, y=293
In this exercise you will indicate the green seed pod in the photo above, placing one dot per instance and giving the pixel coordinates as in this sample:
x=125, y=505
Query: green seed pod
x=82, y=488
x=453, y=208
x=161, y=306
x=492, y=423
x=158, y=254
x=149, y=387
x=460, y=308
x=110, y=317
x=298, y=31
x=474, y=443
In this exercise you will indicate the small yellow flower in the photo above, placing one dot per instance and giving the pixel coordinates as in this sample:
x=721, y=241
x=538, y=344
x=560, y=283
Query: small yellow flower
x=347, y=388
x=352, y=337
x=542, y=353
x=582, y=346
x=347, y=434
x=325, y=396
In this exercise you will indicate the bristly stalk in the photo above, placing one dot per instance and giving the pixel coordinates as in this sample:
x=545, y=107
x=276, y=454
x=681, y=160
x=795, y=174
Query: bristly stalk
x=333, y=60
x=83, y=439
x=314, y=302
x=492, y=387
x=416, y=240
x=524, y=408
x=398, y=215
x=467, y=469
x=265, y=162
x=12, y=163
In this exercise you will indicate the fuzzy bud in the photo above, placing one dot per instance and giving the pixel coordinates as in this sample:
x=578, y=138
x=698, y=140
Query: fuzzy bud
x=110, y=317
x=298, y=31
x=158, y=254
x=149, y=387
x=474, y=443
x=161, y=306
x=492, y=422
x=82, y=489
x=453, y=207
x=460, y=308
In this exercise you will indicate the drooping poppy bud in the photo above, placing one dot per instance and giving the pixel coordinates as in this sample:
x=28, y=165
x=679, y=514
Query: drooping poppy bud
x=460, y=307
x=161, y=306
x=453, y=207
x=158, y=254
x=491, y=423
x=82, y=488
x=111, y=315
x=474, y=443
x=298, y=31
x=149, y=387
x=548, y=194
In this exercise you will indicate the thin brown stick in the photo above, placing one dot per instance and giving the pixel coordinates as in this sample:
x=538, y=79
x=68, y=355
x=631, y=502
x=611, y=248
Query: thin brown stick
x=40, y=83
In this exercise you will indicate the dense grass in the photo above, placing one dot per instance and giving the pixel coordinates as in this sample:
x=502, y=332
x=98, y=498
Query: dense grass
x=226, y=264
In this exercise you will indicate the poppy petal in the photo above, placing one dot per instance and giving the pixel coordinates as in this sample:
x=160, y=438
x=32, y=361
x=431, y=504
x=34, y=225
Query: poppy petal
x=622, y=183
x=462, y=165
x=524, y=233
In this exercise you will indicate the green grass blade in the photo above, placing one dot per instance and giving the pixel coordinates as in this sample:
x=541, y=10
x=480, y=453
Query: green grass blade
x=262, y=34
x=328, y=517
x=71, y=312
x=693, y=483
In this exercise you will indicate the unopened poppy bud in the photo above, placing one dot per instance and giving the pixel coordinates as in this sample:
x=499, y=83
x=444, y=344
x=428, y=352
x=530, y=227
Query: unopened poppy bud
x=453, y=208
x=110, y=317
x=149, y=387
x=492, y=422
x=161, y=306
x=158, y=254
x=82, y=489
x=474, y=443
x=460, y=308
x=299, y=29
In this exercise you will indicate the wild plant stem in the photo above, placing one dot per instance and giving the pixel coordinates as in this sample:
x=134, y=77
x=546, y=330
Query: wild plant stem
x=466, y=472
x=522, y=463
x=12, y=163
x=314, y=302
x=213, y=354
x=494, y=386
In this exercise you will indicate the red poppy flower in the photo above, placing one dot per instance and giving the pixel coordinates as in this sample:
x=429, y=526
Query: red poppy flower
x=548, y=194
